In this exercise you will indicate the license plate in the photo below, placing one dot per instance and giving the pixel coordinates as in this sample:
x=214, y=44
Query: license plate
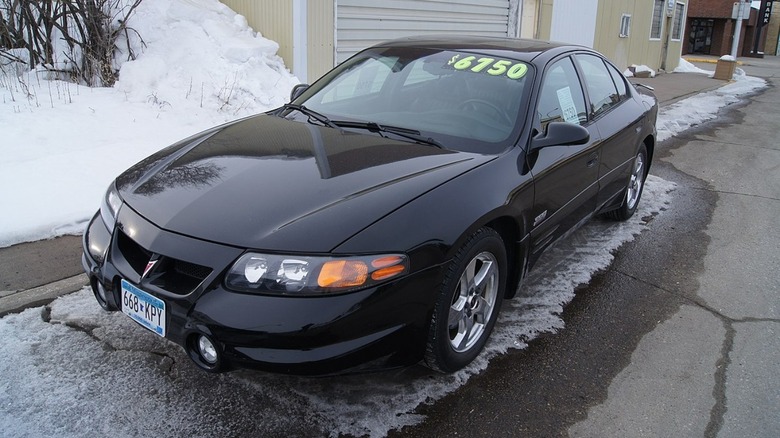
x=145, y=309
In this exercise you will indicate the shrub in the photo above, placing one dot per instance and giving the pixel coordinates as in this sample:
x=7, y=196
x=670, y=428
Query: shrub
x=76, y=38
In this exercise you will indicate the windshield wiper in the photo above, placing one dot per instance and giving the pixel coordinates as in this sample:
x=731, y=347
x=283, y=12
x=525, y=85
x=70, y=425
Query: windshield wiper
x=311, y=113
x=411, y=134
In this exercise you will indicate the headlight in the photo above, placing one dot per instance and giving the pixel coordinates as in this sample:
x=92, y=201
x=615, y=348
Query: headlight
x=298, y=275
x=109, y=207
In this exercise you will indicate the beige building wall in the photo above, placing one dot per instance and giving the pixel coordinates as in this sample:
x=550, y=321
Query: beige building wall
x=320, y=38
x=674, y=49
x=528, y=18
x=272, y=19
x=637, y=48
x=545, y=19
x=772, y=29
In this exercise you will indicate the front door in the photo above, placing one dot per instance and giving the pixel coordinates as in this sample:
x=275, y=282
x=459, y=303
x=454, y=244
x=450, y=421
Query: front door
x=565, y=177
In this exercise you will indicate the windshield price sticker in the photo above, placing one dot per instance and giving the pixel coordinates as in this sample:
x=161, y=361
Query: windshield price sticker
x=491, y=66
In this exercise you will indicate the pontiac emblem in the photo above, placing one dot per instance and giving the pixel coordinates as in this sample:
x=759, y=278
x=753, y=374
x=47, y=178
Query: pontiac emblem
x=149, y=267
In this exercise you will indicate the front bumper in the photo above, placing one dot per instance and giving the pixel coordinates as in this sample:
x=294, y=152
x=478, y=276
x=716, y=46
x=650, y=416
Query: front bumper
x=380, y=327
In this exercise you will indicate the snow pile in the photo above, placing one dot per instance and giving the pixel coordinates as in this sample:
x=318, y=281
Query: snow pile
x=639, y=71
x=63, y=143
x=686, y=67
x=201, y=54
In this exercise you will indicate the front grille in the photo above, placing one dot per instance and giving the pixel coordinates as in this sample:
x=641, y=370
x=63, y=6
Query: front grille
x=170, y=274
x=191, y=270
x=136, y=255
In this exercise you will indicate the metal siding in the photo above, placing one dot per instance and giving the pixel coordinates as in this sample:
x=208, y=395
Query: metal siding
x=574, y=21
x=529, y=18
x=545, y=19
x=272, y=19
x=362, y=23
x=638, y=48
x=320, y=41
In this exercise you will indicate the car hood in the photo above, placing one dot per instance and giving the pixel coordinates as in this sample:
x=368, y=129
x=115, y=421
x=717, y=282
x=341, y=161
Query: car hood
x=273, y=184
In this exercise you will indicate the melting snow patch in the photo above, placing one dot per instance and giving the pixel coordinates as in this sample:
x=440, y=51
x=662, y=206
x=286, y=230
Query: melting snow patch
x=700, y=108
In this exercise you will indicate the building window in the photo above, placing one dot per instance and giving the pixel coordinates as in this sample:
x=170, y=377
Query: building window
x=655, y=27
x=700, y=39
x=625, y=25
x=679, y=10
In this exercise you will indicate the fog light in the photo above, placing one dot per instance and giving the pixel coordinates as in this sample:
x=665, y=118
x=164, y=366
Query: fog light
x=101, y=292
x=207, y=350
x=101, y=295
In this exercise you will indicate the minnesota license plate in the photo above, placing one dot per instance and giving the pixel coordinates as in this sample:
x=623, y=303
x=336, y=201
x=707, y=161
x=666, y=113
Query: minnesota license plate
x=145, y=309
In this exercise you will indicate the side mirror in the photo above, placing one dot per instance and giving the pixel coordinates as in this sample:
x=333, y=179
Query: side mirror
x=560, y=134
x=297, y=91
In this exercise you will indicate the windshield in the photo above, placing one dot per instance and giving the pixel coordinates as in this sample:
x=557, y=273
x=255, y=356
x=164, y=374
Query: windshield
x=462, y=100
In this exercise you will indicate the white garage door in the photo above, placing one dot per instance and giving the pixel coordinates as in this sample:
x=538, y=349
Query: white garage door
x=362, y=23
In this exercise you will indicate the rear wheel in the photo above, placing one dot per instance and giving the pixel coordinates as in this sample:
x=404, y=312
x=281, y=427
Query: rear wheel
x=634, y=189
x=468, y=303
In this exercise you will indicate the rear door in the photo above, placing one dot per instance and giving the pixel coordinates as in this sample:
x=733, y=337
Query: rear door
x=618, y=119
x=565, y=177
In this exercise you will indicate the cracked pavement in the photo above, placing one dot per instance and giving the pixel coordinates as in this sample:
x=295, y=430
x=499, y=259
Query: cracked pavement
x=166, y=360
x=710, y=369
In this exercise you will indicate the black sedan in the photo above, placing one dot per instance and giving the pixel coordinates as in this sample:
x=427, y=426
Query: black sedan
x=382, y=216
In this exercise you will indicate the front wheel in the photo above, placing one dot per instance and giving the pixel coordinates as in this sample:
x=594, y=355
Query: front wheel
x=634, y=189
x=468, y=303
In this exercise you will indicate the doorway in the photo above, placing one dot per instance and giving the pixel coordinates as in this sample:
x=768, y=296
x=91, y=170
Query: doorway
x=700, y=39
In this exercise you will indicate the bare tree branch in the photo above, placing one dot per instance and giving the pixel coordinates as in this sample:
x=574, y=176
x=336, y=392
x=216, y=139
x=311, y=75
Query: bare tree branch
x=89, y=28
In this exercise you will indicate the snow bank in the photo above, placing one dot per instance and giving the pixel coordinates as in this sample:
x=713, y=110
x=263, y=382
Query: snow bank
x=63, y=143
x=639, y=71
x=201, y=54
x=686, y=67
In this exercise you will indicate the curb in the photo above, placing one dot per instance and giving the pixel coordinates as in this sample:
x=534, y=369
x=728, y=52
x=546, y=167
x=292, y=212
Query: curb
x=708, y=60
x=685, y=96
x=38, y=296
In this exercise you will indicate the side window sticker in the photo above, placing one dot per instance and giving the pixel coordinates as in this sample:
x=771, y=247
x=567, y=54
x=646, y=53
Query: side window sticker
x=566, y=102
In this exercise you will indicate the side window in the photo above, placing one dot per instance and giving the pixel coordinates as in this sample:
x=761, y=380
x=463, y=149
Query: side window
x=561, y=98
x=601, y=89
x=620, y=81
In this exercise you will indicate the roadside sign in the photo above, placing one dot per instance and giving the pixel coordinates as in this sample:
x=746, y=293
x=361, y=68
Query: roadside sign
x=766, y=11
x=740, y=6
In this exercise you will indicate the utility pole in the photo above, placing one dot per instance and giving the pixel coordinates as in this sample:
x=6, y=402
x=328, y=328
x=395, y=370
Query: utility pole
x=740, y=13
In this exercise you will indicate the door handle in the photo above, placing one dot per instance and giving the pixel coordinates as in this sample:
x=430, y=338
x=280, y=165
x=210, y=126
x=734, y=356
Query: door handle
x=593, y=159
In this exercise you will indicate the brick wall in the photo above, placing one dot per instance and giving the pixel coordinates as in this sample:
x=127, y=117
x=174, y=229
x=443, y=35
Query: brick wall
x=721, y=38
x=710, y=8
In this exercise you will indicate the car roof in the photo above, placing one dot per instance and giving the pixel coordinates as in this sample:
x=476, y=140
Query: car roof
x=523, y=49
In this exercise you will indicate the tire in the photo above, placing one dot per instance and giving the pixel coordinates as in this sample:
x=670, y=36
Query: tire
x=466, y=310
x=636, y=183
